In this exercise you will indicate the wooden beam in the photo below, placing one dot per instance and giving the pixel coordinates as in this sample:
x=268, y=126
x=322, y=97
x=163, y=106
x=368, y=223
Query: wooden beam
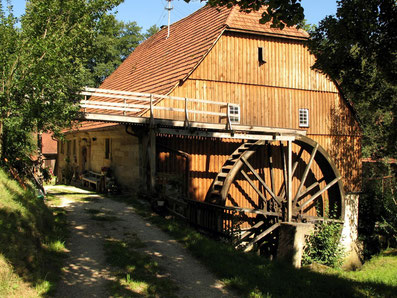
x=271, y=131
x=223, y=135
x=289, y=181
x=152, y=158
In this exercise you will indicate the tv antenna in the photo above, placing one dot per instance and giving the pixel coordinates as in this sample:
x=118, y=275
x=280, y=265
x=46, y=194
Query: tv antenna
x=169, y=8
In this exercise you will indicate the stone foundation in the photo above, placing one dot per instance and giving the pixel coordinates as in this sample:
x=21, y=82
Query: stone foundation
x=349, y=238
x=292, y=242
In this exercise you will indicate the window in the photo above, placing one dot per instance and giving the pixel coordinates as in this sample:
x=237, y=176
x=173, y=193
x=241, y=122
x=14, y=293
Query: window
x=68, y=145
x=303, y=117
x=107, y=148
x=261, y=56
x=234, y=113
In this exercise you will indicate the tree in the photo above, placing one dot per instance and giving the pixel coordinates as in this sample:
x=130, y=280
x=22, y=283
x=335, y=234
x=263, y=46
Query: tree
x=358, y=49
x=151, y=31
x=280, y=12
x=114, y=41
x=43, y=66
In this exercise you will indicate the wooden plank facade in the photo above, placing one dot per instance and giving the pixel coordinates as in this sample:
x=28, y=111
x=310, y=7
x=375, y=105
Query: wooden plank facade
x=271, y=95
x=223, y=64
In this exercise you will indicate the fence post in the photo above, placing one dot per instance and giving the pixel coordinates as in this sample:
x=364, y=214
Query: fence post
x=151, y=111
x=186, y=113
x=229, y=123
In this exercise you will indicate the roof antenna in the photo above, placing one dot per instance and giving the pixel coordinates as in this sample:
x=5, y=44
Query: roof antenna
x=169, y=8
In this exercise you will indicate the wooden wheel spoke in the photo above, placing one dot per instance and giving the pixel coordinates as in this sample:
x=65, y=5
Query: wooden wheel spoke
x=294, y=167
x=270, y=155
x=261, y=235
x=319, y=193
x=284, y=162
x=305, y=173
x=309, y=189
x=251, y=168
x=254, y=186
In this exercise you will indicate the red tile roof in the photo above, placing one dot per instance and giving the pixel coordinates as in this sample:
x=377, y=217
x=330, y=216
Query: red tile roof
x=49, y=145
x=250, y=22
x=158, y=64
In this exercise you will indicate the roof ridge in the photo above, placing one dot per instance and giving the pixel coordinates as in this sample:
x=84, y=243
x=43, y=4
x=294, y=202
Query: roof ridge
x=229, y=16
x=159, y=64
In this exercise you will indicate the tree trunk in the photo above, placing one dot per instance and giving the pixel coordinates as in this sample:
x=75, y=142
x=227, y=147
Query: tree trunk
x=1, y=140
x=39, y=157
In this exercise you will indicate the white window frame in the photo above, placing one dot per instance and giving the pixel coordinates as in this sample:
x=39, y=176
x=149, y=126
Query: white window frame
x=303, y=116
x=234, y=113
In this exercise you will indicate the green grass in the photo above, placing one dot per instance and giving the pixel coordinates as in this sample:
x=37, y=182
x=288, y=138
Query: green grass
x=31, y=237
x=11, y=285
x=137, y=274
x=378, y=276
x=253, y=276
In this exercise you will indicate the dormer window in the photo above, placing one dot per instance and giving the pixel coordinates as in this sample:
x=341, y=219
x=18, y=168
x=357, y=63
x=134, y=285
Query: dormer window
x=303, y=117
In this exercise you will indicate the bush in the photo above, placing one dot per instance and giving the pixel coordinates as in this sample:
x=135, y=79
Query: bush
x=323, y=245
x=378, y=209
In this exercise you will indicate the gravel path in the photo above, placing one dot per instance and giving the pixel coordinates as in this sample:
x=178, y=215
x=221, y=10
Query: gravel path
x=86, y=272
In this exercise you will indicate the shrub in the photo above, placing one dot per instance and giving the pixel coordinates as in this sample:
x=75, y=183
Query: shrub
x=323, y=245
x=378, y=208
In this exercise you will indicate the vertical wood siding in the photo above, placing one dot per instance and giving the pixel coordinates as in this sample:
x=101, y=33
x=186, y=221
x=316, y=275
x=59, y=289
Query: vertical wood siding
x=207, y=156
x=272, y=93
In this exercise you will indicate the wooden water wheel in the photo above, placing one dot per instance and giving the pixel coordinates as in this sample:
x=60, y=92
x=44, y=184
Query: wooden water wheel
x=284, y=181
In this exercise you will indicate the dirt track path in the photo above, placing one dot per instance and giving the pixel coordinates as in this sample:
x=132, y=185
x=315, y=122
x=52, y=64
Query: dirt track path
x=86, y=273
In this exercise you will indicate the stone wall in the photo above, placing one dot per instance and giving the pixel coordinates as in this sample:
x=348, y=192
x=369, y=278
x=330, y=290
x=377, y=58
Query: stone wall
x=94, y=150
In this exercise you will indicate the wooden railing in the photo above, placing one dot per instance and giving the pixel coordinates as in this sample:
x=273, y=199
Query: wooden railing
x=139, y=104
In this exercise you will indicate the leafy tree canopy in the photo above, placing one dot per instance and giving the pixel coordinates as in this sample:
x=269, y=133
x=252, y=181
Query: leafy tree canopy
x=358, y=49
x=280, y=12
x=43, y=65
x=114, y=41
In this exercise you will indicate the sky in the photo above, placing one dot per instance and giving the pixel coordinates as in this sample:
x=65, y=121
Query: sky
x=152, y=12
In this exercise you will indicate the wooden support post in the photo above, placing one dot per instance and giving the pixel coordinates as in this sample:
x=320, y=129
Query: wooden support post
x=289, y=181
x=151, y=111
x=152, y=158
x=186, y=113
x=228, y=123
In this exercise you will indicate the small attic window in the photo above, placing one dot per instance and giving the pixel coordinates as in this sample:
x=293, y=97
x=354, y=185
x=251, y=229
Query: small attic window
x=234, y=113
x=261, y=55
x=303, y=117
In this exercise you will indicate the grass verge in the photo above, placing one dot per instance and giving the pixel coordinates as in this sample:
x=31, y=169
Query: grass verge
x=137, y=275
x=31, y=242
x=253, y=276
